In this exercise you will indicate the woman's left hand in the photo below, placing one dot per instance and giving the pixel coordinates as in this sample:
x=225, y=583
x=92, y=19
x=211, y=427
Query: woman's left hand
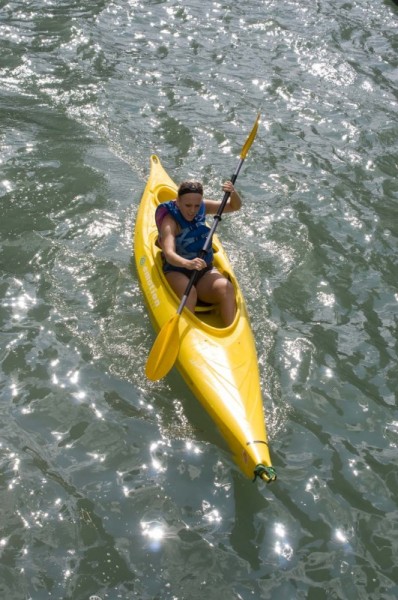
x=228, y=186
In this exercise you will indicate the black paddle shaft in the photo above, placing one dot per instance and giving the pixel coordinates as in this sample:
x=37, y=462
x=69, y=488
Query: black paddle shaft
x=209, y=240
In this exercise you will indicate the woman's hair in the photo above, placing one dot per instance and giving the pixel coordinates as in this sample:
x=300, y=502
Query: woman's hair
x=190, y=187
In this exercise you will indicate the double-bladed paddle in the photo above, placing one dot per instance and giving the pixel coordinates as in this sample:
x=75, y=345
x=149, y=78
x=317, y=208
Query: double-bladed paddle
x=164, y=351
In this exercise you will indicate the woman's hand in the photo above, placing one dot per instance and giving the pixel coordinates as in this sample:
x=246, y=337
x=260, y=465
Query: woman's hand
x=228, y=186
x=196, y=264
x=234, y=201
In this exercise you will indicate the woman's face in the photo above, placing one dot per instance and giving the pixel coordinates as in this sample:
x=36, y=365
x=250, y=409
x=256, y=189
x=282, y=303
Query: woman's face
x=189, y=205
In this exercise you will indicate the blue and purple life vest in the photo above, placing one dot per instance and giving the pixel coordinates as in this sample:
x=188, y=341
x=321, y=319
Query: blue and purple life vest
x=193, y=234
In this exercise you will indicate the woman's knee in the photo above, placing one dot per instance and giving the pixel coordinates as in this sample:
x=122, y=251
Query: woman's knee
x=230, y=288
x=227, y=289
x=215, y=288
x=178, y=282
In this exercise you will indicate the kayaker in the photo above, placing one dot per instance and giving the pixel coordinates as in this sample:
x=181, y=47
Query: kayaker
x=182, y=233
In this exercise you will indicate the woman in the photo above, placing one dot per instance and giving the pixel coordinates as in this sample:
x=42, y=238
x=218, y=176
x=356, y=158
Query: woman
x=182, y=234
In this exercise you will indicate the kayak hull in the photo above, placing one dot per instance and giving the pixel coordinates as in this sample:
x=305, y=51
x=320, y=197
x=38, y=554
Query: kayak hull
x=219, y=364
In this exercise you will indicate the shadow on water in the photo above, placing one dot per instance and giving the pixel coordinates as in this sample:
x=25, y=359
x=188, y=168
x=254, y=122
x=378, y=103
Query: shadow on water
x=246, y=536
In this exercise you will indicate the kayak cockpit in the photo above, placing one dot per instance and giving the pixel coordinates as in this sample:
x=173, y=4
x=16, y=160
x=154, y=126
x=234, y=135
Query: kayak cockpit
x=208, y=314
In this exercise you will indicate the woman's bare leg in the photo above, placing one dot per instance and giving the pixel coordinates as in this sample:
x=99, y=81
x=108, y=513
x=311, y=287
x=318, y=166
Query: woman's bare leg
x=178, y=282
x=214, y=288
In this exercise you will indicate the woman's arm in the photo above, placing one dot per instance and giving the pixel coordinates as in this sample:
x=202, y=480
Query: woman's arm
x=234, y=201
x=168, y=232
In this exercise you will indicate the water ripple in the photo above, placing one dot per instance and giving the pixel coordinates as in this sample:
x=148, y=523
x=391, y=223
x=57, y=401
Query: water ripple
x=116, y=487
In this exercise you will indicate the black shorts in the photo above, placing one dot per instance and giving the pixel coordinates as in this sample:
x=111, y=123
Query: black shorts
x=188, y=272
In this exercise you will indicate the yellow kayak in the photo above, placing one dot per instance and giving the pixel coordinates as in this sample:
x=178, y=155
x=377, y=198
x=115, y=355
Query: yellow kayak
x=218, y=363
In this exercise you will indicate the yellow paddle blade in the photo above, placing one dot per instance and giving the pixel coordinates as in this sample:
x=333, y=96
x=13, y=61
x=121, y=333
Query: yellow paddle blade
x=250, y=138
x=164, y=351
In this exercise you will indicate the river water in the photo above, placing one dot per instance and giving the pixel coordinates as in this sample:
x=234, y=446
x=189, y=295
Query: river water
x=112, y=486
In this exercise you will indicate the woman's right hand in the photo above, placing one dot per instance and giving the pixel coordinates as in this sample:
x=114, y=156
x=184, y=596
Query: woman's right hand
x=196, y=264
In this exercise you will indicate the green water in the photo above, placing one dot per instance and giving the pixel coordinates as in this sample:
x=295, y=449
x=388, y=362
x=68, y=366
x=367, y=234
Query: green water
x=114, y=487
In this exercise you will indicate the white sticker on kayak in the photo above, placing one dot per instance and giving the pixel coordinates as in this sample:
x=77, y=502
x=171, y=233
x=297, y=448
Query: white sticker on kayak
x=152, y=294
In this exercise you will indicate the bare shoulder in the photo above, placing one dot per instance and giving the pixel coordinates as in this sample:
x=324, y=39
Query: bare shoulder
x=169, y=225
